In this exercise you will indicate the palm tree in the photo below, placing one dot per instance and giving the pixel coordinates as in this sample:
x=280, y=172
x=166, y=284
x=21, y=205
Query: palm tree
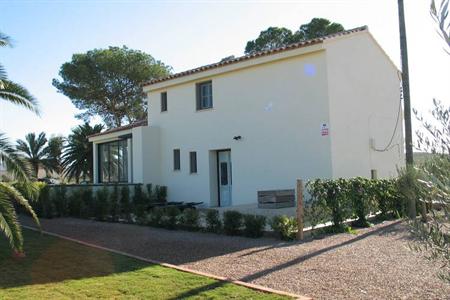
x=55, y=147
x=36, y=152
x=15, y=164
x=78, y=153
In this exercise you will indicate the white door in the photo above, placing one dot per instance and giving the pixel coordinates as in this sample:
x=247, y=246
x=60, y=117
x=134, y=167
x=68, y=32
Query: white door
x=224, y=167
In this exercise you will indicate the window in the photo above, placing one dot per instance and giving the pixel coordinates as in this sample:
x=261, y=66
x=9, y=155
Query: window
x=163, y=101
x=176, y=159
x=193, y=162
x=204, y=95
x=113, y=161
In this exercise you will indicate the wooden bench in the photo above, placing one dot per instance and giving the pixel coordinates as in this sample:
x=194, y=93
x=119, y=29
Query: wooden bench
x=276, y=198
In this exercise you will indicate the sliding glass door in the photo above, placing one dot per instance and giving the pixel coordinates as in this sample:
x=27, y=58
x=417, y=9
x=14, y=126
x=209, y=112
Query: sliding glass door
x=113, y=161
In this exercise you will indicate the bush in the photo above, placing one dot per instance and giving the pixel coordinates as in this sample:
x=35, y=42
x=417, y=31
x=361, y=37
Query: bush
x=254, y=225
x=140, y=204
x=285, y=227
x=161, y=194
x=102, y=206
x=60, y=200
x=213, y=222
x=169, y=219
x=151, y=196
x=75, y=203
x=87, y=203
x=190, y=219
x=114, y=202
x=334, y=195
x=155, y=216
x=232, y=222
x=126, y=207
x=360, y=192
x=45, y=206
x=315, y=213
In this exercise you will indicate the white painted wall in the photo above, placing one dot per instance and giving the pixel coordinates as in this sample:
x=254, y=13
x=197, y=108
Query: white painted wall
x=364, y=91
x=277, y=108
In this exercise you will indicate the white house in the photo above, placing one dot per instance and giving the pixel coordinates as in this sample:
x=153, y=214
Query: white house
x=323, y=108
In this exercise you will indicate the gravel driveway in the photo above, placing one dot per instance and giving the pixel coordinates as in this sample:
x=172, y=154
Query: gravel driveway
x=375, y=263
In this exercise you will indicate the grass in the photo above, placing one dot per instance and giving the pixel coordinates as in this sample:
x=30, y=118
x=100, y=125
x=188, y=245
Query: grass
x=60, y=269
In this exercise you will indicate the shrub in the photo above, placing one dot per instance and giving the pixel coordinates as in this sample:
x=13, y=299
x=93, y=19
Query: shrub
x=360, y=192
x=161, y=194
x=190, y=219
x=151, y=196
x=114, y=203
x=87, y=203
x=139, y=202
x=155, y=216
x=285, y=227
x=169, y=219
x=213, y=222
x=387, y=197
x=254, y=225
x=102, y=205
x=45, y=206
x=315, y=213
x=60, y=200
x=126, y=207
x=333, y=194
x=232, y=222
x=75, y=203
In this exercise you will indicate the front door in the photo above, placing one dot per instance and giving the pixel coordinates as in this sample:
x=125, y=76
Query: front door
x=224, y=172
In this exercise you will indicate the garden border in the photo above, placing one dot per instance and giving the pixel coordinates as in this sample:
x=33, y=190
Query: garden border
x=179, y=268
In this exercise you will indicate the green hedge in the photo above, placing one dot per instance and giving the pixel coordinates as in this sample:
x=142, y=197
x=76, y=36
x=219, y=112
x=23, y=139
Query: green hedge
x=358, y=197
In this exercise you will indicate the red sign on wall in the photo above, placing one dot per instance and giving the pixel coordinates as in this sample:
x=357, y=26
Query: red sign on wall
x=324, y=131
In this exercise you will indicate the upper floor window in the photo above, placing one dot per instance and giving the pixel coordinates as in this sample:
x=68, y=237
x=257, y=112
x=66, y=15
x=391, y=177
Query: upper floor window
x=163, y=101
x=204, y=95
x=193, y=162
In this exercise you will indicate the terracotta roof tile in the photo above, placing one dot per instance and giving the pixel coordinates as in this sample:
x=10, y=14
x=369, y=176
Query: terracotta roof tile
x=256, y=55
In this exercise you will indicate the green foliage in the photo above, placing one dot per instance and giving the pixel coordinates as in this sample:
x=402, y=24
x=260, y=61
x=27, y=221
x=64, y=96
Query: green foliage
x=161, y=194
x=315, y=213
x=154, y=218
x=286, y=227
x=87, y=206
x=115, y=203
x=275, y=37
x=108, y=83
x=75, y=203
x=59, y=196
x=333, y=194
x=102, y=204
x=232, y=222
x=360, y=192
x=170, y=217
x=45, y=208
x=140, y=202
x=254, y=225
x=213, y=222
x=150, y=194
x=126, y=207
x=77, y=159
x=190, y=219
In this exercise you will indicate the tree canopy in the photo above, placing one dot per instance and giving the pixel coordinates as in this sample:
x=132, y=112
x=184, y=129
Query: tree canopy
x=107, y=83
x=274, y=37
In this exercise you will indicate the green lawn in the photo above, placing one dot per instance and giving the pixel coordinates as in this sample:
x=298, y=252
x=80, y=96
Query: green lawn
x=59, y=269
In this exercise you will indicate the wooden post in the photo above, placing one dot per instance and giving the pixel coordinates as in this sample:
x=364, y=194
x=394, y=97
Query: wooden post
x=299, y=192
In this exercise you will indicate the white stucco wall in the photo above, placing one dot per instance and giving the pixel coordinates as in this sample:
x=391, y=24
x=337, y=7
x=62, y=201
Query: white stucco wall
x=364, y=91
x=277, y=108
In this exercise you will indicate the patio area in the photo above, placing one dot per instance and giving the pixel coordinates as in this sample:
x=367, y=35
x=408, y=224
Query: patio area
x=375, y=263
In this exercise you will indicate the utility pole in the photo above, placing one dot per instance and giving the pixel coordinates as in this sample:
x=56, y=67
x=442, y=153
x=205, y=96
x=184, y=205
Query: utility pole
x=406, y=102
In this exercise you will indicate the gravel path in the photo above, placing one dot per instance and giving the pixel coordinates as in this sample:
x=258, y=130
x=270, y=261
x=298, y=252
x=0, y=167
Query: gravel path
x=376, y=263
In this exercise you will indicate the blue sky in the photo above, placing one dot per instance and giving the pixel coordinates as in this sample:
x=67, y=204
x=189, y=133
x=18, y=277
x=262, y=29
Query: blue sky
x=186, y=34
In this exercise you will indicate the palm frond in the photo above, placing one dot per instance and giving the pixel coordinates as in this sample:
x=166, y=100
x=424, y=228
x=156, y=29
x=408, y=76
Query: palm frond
x=10, y=224
x=15, y=164
x=16, y=196
x=17, y=94
x=4, y=40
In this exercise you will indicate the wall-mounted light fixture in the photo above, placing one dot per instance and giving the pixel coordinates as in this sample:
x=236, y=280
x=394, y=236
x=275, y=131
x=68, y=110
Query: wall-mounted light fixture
x=237, y=137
